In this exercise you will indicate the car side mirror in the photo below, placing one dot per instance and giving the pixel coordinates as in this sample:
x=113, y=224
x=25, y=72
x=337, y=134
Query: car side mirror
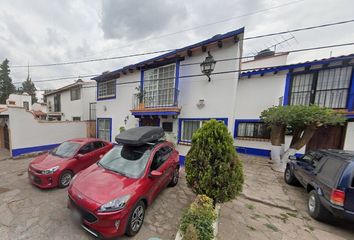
x=155, y=174
x=292, y=157
x=79, y=156
x=101, y=156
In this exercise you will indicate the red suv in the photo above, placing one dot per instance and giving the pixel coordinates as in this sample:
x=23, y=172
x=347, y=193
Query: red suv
x=109, y=198
x=57, y=167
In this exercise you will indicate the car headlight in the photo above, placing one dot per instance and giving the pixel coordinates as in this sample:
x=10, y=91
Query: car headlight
x=51, y=170
x=115, y=205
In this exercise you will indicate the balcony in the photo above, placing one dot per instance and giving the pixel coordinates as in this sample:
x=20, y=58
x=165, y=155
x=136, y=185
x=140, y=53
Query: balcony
x=158, y=102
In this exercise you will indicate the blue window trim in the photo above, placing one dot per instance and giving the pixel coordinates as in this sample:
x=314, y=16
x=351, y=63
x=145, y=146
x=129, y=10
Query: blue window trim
x=154, y=113
x=180, y=120
x=176, y=81
x=287, y=89
x=110, y=127
x=142, y=80
x=350, y=103
x=238, y=121
x=107, y=98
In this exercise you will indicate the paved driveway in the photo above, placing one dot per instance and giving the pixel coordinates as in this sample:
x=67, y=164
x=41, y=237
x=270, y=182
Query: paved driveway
x=269, y=209
x=27, y=212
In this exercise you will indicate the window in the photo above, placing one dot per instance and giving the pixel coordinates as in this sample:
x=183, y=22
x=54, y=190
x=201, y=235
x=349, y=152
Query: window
x=66, y=149
x=253, y=130
x=327, y=88
x=57, y=107
x=76, y=118
x=160, y=157
x=26, y=105
x=87, y=148
x=106, y=89
x=92, y=111
x=104, y=129
x=99, y=145
x=159, y=86
x=75, y=93
x=329, y=171
x=189, y=127
x=167, y=126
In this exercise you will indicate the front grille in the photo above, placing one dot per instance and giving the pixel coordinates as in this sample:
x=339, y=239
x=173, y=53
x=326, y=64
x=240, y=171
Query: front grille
x=37, y=180
x=84, y=214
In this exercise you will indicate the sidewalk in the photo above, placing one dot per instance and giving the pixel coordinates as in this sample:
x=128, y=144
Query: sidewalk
x=4, y=154
x=269, y=209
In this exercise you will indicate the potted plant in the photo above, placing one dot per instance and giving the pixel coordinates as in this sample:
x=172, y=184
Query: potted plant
x=140, y=96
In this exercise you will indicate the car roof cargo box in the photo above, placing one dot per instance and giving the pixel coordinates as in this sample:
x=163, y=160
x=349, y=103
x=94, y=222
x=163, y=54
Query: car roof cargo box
x=140, y=135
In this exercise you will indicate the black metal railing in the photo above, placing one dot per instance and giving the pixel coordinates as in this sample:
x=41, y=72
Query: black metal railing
x=156, y=99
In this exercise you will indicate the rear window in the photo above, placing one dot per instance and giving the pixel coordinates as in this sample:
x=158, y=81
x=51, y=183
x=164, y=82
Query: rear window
x=330, y=170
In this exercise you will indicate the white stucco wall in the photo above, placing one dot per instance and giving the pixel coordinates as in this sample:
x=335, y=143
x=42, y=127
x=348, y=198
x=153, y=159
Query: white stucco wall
x=76, y=108
x=27, y=132
x=258, y=93
x=349, y=137
x=278, y=60
x=19, y=99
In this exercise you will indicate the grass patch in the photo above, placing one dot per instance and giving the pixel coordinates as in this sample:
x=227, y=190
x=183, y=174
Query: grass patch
x=255, y=216
x=250, y=206
x=272, y=227
x=310, y=228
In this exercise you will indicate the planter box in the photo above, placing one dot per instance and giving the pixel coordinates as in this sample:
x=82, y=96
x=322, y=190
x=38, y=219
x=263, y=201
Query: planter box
x=215, y=224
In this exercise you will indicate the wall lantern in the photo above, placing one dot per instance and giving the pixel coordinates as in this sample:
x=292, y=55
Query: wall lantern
x=208, y=65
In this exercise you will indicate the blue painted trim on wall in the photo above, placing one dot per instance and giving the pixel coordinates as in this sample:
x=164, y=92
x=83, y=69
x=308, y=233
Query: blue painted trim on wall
x=286, y=96
x=253, y=151
x=182, y=160
x=154, y=113
x=107, y=98
x=180, y=120
x=20, y=151
x=351, y=93
x=238, y=121
x=110, y=127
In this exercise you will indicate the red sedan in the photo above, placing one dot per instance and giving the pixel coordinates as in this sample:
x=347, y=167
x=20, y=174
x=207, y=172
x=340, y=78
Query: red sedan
x=109, y=198
x=57, y=167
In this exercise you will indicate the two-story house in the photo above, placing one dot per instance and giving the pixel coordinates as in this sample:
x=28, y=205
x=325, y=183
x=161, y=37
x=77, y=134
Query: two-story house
x=74, y=102
x=326, y=82
x=170, y=90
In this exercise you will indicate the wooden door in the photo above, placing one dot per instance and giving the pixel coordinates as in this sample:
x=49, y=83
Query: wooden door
x=6, y=137
x=331, y=137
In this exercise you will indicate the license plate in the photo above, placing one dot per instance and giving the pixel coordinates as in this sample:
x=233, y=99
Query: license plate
x=76, y=216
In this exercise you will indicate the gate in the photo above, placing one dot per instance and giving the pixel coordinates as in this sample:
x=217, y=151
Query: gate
x=6, y=137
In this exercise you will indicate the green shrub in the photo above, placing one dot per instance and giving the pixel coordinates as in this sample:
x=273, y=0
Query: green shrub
x=201, y=216
x=212, y=166
x=121, y=129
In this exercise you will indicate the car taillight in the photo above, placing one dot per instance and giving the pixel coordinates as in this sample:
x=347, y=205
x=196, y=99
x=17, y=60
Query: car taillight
x=337, y=197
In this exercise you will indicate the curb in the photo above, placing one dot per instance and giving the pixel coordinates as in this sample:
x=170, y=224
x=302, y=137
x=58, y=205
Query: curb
x=215, y=224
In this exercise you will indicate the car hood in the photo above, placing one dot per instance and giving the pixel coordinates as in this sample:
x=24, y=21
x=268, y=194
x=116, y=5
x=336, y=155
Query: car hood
x=47, y=161
x=102, y=186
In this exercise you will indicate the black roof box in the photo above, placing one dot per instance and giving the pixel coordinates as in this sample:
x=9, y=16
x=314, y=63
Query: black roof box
x=140, y=135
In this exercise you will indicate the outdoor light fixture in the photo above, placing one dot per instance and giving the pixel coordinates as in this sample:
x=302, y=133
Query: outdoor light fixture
x=208, y=65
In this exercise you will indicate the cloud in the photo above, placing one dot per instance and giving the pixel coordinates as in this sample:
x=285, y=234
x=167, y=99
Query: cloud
x=139, y=19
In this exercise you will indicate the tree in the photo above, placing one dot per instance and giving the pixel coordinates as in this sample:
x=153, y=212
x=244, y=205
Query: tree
x=29, y=87
x=212, y=166
x=6, y=86
x=303, y=122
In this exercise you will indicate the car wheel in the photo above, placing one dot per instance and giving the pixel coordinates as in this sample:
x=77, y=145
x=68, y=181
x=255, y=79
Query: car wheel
x=316, y=209
x=65, y=178
x=289, y=177
x=175, y=178
x=136, y=219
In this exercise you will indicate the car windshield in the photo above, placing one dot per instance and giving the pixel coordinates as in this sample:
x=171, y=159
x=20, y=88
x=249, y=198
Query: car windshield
x=66, y=149
x=129, y=161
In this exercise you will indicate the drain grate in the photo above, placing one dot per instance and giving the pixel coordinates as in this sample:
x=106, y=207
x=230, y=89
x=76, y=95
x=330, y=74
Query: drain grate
x=2, y=190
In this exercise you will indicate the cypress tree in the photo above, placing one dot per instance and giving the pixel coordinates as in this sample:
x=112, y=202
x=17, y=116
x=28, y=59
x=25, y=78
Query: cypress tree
x=6, y=86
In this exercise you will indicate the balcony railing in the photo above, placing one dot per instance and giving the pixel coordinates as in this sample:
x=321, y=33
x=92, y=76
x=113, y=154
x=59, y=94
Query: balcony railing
x=164, y=98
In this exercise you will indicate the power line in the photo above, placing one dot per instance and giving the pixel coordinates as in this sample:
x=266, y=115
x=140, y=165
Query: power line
x=197, y=63
x=203, y=75
x=168, y=50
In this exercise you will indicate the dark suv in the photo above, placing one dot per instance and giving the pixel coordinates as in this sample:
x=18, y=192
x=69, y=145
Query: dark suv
x=327, y=175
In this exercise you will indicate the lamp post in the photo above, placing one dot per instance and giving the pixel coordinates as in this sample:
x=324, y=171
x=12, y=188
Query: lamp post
x=208, y=65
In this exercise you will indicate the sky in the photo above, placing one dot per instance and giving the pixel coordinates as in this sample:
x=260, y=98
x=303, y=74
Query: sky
x=41, y=31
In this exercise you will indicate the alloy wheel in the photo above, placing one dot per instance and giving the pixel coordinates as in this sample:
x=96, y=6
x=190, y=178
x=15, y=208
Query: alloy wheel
x=65, y=179
x=287, y=174
x=312, y=203
x=175, y=176
x=137, y=218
